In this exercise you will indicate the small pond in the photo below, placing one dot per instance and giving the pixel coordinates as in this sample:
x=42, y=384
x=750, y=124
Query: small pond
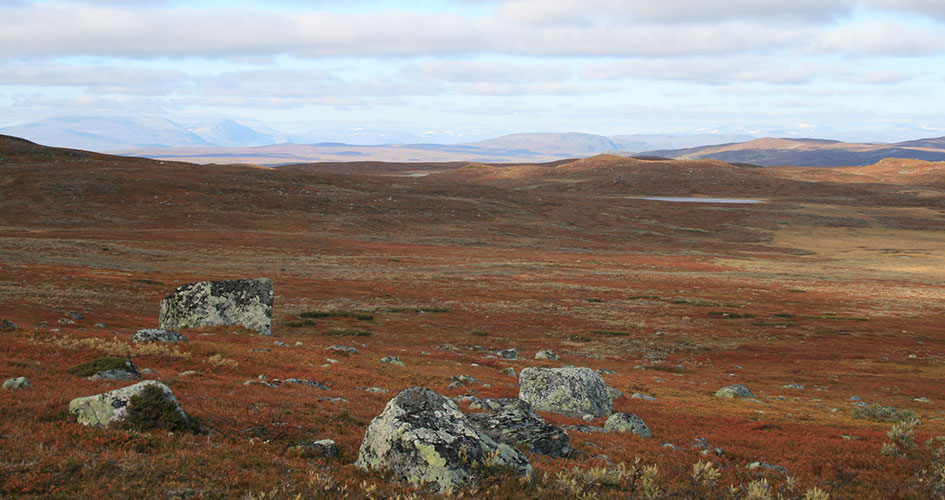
x=685, y=199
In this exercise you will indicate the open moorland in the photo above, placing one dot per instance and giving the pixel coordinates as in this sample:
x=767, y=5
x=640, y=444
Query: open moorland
x=826, y=298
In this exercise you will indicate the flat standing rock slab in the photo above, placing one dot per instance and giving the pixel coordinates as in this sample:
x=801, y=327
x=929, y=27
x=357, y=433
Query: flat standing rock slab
x=246, y=303
x=573, y=392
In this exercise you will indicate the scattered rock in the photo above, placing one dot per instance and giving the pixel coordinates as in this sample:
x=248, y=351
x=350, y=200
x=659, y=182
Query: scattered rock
x=584, y=428
x=734, y=391
x=627, y=422
x=342, y=348
x=375, y=390
x=922, y=400
x=567, y=391
x=392, y=360
x=112, y=369
x=333, y=400
x=260, y=382
x=211, y=303
x=323, y=448
x=422, y=438
x=281, y=343
x=793, y=386
x=184, y=493
x=546, y=355
x=645, y=397
x=100, y=325
x=767, y=466
x=508, y=353
x=17, y=383
x=854, y=398
x=515, y=423
x=705, y=447
x=614, y=393
x=149, y=335
x=605, y=371
x=7, y=326
x=189, y=373
x=461, y=380
x=66, y=321
x=508, y=370
x=114, y=406
x=306, y=383
x=148, y=371
x=76, y=316
x=261, y=349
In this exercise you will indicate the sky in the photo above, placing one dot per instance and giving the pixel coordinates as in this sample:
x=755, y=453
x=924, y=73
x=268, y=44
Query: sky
x=455, y=70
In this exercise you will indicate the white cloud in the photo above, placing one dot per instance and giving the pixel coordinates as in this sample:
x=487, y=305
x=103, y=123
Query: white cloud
x=880, y=38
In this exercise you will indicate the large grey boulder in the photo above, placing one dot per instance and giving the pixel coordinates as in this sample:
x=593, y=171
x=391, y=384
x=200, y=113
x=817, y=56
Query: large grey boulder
x=112, y=406
x=734, y=391
x=569, y=391
x=514, y=422
x=149, y=335
x=422, y=438
x=17, y=383
x=627, y=422
x=246, y=303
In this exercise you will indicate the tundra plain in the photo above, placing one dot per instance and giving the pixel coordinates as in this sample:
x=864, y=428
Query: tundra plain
x=827, y=294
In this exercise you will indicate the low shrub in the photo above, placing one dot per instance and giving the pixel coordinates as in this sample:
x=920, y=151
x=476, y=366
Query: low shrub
x=363, y=316
x=348, y=331
x=880, y=413
x=98, y=365
x=151, y=410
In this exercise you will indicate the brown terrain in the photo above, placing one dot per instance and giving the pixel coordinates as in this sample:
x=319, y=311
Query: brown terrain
x=833, y=282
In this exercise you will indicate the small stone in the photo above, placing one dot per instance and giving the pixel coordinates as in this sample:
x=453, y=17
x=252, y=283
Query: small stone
x=281, y=343
x=148, y=371
x=17, y=383
x=461, y=380
x=76, y=316
x=767, y=466
x=627, y=422
x=149, y=335
x=508, y=370
x=705, y=448
x=7, y=326
x=128, y=372
x=855, y=398
x=260, y=382
x=587, y=417
x=66, y=321
x=392, y=360
x=100, y=325
x=189, y=373
x=734, y=391
x=645, y=397
x=342, y=348
x=546, y=355
x=605, y=371
x=333, y=400
x=261, y=349
x=509, y=354
x=922, y=400
x=793, y=386
x=323, y=448
x=306, y=383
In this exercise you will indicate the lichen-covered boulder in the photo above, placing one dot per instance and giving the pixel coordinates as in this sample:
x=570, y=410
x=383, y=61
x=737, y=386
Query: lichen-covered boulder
x=546, y=355
x=246, y=303
x=422, y=438
x=149, y=335
x=511, y=353
x=17, y=383
x=109, y=407
x=514, y=422
x=627, y=422
x=569, y=391
x=734, y=391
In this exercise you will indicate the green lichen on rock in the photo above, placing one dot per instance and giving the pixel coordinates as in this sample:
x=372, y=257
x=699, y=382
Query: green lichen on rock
x=422, y=438
x=246, y=303
x=148, y=401
x=569, y=391
x=734, y=392
x=627, y=422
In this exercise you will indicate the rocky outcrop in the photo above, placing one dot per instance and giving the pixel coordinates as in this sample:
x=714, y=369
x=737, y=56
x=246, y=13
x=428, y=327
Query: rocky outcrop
x=149, y=335
x=17, y=383
x=734, y=391
x=422, y=438
x=246, y=303
x=569, y=391
x=515, y=423
x=627, y=422
x=113, y=406
x=511, y=353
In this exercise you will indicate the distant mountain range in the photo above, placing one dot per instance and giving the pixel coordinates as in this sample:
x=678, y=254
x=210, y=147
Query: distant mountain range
x=227, y=141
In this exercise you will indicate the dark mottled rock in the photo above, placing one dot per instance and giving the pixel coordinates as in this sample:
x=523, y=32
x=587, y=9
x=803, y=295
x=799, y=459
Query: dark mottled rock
x=392, y=360
x=546, y=355
x=149, y=335
x=7, y=326
x=508, y=353
x=514, y=422
x=569, y=391
x=422, y=438
x=306, y=383
x=76, y=316
x=128, y=372
x=246, y=303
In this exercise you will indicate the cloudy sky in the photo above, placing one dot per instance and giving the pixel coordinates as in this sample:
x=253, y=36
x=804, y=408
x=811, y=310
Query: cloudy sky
x=451, y=70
